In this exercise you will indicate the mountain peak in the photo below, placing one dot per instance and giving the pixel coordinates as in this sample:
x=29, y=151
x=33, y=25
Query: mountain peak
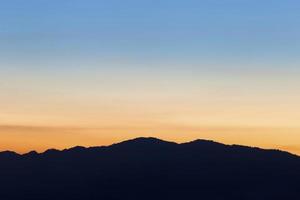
x=148, y=144
x=51, y=152
x=143, y=141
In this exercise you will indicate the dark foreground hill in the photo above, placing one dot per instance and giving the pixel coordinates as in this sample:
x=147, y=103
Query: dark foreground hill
x=148, y=168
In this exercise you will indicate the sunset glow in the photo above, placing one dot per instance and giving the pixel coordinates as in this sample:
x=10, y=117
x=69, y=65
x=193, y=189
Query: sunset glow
x=92, y=74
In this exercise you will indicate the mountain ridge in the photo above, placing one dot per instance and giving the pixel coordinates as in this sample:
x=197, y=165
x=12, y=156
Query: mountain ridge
x=143, y=141
x=149, y=168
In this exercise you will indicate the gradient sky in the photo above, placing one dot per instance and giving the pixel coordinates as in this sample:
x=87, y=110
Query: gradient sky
x=93, y=72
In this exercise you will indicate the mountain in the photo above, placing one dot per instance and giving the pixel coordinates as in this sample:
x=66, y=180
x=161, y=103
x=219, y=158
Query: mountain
x=149, y=168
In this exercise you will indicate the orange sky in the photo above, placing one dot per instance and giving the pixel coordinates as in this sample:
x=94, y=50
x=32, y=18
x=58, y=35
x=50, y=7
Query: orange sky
x=25, y=138
x=44, y=109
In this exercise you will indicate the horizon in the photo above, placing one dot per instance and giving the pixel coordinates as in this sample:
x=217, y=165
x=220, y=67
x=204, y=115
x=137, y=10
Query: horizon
x=148, y=138
x=41, y=151
x=91, y=73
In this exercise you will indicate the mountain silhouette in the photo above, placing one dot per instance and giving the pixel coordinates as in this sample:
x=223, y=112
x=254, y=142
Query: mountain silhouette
x=149, y=168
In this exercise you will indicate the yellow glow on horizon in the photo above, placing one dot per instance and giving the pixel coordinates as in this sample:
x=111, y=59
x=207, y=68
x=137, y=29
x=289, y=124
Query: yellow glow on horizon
x=60, y=109
x=24, y=138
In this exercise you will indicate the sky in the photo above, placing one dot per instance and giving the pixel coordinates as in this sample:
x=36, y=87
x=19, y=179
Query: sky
x=95, y=72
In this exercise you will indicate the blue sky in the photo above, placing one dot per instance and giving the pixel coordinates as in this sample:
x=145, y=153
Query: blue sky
x=225, y=32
